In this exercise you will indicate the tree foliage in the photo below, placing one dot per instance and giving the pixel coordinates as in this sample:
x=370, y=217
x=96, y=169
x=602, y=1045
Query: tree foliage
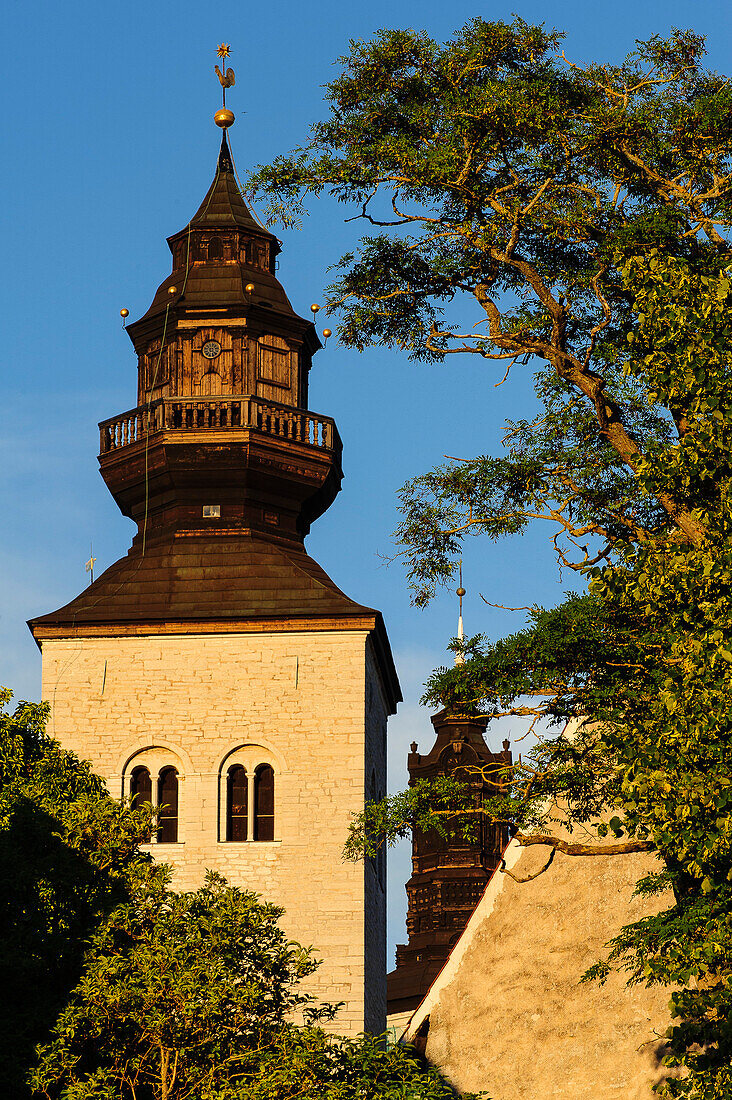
x=129, y=990
x=68, y=855
x=573, y=220
x=192, y=995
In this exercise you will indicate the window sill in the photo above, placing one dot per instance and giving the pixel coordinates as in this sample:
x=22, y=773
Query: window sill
x=249, y=843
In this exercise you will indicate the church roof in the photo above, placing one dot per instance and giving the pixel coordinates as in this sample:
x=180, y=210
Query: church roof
x=223, y=204
x=200, y=577
x=201, y=284
x=216, y=285
x=185, y=582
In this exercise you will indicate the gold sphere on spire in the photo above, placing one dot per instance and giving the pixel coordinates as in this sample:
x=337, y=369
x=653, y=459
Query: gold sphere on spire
x=224, y=118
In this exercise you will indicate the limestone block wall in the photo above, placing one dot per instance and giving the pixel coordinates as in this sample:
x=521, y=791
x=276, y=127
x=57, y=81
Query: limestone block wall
x=309, y=704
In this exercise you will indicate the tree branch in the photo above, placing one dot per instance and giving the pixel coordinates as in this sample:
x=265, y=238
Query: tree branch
x=528, y=878
x=569, y=849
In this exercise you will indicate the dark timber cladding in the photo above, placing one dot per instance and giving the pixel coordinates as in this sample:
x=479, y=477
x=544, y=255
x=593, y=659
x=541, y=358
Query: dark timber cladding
x=221, y=464
x=449, y=876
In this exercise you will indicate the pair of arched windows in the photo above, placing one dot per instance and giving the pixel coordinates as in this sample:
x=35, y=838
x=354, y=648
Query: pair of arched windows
x=167, y=798
x=250, y=803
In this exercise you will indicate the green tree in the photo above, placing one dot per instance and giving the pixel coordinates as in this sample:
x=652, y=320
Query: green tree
x=179, y=994
x=68, y=855
x=191, y=995
x=115, y=987
x=311, y=1064
x=575, y=220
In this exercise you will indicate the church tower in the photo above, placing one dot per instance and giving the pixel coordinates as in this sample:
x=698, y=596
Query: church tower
x=216, y=670
x=448, y=876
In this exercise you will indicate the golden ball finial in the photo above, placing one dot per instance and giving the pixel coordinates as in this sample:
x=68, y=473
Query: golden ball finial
x=314, y=308
x=327, y=332
x=124, y=313
x=224, y=118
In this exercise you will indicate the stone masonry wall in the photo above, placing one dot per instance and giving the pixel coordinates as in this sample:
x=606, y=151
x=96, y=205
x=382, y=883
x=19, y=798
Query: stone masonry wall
x=202, y=702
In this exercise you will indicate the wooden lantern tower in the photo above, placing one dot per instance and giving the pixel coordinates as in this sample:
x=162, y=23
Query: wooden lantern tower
x=449, y=876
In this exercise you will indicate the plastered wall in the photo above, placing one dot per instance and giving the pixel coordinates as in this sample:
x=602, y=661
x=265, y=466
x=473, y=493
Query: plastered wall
x=510, y=1014
x=310, y=704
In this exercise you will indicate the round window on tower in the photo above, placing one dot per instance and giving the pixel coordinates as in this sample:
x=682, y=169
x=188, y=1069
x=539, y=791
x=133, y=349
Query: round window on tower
x=211, y=349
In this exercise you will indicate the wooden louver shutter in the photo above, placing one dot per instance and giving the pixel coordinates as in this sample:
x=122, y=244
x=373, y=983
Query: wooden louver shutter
x=168, y=800
x=273, y=362
x=236, y=803
x=264, y=803
x=140, y=786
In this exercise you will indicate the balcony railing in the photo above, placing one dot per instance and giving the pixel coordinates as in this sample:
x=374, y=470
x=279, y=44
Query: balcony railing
x=197, y=414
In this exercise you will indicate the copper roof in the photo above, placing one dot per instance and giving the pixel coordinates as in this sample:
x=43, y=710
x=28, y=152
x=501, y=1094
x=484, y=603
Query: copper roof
x=210, y=285
x=223, y=204
x=215, y=284
x=185, y=582
x=200, y=577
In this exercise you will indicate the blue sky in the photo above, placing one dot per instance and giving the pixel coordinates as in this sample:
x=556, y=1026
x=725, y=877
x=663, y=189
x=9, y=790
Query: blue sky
x=109, y=147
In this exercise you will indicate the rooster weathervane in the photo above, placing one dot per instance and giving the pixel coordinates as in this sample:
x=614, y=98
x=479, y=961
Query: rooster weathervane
x=226, y=78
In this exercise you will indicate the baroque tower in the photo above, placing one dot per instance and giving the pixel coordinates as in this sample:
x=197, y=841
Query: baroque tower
x=216, y=670
x=449, y=875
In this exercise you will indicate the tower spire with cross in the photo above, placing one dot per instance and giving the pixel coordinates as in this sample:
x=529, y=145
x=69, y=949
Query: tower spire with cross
x=460, y=656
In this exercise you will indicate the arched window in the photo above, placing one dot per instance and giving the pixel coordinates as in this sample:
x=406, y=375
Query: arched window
x=168, y=801
x=215, y=251
x=237, y=803
x=264, y=802
x=140, y=786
